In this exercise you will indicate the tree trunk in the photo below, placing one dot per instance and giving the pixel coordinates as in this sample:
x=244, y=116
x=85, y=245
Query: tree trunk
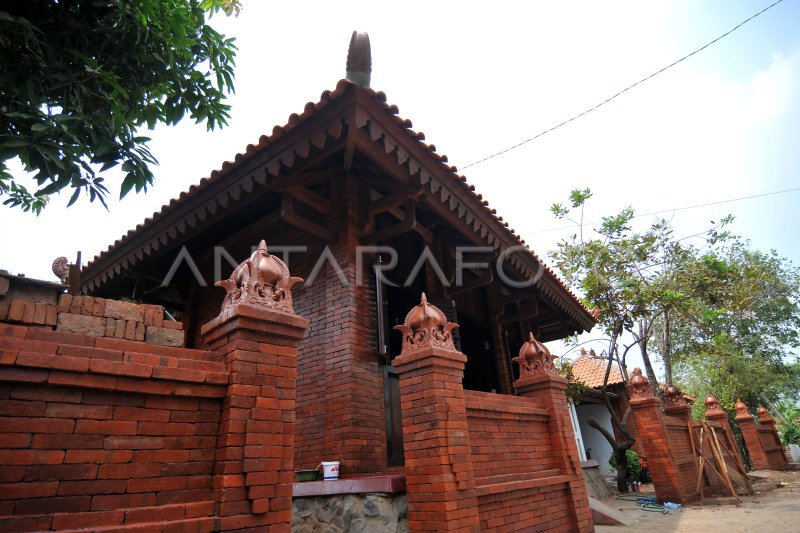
x=643, y=339
x=666, y=352
x=622, y=469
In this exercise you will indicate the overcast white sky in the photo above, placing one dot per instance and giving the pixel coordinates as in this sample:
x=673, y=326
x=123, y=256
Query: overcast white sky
x=478, y=77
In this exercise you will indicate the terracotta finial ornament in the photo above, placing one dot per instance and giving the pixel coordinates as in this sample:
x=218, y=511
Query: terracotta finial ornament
x=262, y=280
x=534, y=358
x=640, y=386
x=673, y=396
x=359, y=59
x=741, y=408
x=763, y=414
x=426, y=325
x=712, y=405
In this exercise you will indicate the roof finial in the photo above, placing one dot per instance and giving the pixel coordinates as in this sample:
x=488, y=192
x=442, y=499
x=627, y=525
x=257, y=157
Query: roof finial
x=359, y=59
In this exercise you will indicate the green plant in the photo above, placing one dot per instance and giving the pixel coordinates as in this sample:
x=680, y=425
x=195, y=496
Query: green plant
x=634, y=465
x=789, y=432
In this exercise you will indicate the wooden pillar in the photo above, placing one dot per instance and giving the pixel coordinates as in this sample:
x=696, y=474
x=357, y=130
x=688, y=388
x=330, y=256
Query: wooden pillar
x=539, y=381
x=654, y=439
x=258, y=333
x=439, y=476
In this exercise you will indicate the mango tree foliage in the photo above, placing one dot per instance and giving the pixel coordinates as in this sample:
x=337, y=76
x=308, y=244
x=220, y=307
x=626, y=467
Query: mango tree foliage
x=80, y=78
x=742, y=334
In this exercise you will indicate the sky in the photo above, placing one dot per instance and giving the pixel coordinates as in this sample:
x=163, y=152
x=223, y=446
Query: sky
x=479, y=77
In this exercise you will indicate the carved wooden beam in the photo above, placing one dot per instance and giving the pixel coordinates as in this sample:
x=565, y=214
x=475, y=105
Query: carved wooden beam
x=291, y=217
x=315, y=201
x=526, y=314
x=408, y=222
x=387, y=202
x=306, y=179
x=485, y=279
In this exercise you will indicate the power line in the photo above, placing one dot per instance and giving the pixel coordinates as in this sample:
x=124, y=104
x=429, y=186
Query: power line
x=626, y=89
x=673, y=209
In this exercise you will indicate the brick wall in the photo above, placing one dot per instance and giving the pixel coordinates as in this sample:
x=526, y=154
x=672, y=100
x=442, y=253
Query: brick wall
x=340, y=413
x=519, y=479
x=104, y=432
x=99, y=433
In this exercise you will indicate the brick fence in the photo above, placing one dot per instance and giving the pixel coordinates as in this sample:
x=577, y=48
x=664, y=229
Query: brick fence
x=107, y=428
x=479, y=461
x=762, y=440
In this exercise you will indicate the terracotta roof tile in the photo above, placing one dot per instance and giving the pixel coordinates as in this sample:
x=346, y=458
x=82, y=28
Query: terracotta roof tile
x=294, y=120
x=592, y=371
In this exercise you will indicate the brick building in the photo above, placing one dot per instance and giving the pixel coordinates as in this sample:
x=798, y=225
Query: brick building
x=370, y=216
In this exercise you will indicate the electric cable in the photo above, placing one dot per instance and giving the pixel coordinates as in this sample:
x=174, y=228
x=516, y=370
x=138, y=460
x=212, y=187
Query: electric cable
x=626, y=89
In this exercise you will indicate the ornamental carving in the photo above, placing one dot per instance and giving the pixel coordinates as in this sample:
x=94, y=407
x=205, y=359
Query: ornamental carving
x=741, y=408
x=534, y=358
x=712, y=405
x=262, y=280
x=673, y=397
x=426, y=325
x=763, y=415
x=640, y=387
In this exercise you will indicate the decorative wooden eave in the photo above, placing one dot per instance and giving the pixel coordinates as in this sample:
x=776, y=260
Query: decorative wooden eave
x=350, y=118
x=233, y=184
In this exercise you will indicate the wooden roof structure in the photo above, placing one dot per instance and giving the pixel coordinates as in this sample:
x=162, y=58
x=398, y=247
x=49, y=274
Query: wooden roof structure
x=349, y=126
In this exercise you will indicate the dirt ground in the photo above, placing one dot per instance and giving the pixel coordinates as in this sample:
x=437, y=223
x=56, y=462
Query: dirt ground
x=773, y=508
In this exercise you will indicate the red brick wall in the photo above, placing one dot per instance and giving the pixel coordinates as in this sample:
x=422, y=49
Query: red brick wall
x=520, y=481
x=340, y=414
x=105, y=432
x=508, y=436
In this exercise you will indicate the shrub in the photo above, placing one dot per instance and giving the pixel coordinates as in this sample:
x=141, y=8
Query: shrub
x=634, y=465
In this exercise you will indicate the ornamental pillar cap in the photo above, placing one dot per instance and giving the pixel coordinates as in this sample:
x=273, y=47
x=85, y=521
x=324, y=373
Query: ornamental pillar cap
x=534, y=359
x=712, y=405
x=741, y=408
x=763, y=414
x=426, y=325
x=640, y=386
x=262, y=280
x=673, y=396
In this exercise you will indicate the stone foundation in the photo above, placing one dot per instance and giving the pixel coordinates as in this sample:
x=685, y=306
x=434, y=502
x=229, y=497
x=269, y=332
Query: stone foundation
x=378, y=513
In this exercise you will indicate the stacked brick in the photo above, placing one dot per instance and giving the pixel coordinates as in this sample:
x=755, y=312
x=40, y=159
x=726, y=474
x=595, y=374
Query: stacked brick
x=100, y=317
x=105, y=433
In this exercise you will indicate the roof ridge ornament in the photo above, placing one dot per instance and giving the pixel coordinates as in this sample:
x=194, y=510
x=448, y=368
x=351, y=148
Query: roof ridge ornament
x=261, y=280
x=359, y=59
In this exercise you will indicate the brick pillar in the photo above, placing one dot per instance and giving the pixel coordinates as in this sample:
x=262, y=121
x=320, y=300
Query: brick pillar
x=539, y=381
x=776, y=458
x=258, y=333
x=654, y=440
x=439, y=477
x=715, y=413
